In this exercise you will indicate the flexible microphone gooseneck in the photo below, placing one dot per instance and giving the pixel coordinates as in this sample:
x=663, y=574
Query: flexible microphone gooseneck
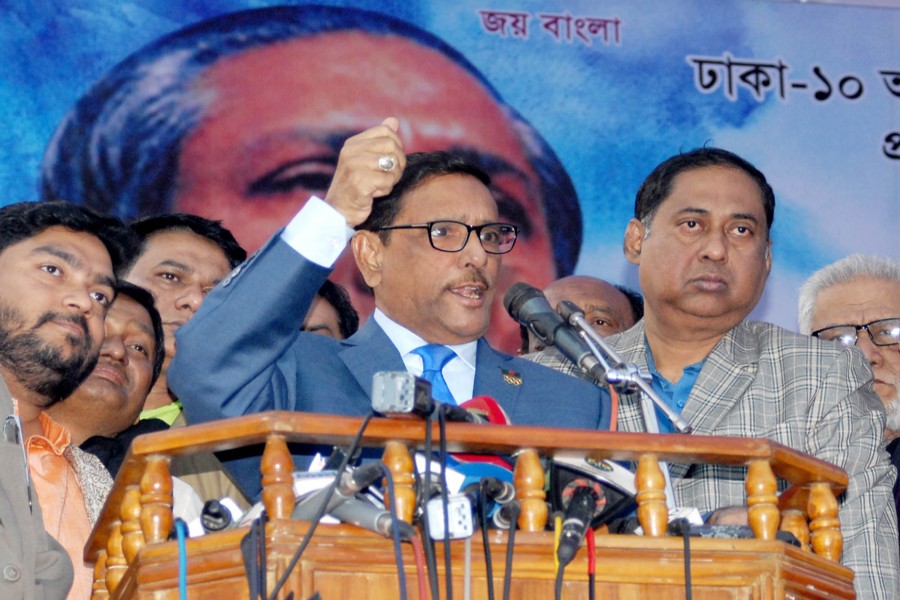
x=350, y=482
x=529, y=307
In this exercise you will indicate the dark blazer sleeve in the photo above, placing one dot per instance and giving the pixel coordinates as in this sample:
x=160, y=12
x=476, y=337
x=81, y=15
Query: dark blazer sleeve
x=235, y=356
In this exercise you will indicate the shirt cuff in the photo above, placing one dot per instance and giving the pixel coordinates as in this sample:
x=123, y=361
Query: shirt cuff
x=318, y=233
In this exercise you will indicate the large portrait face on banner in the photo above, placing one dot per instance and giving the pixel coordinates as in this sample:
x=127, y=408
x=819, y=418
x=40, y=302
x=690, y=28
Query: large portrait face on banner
x=236, y=111
x=240, y=119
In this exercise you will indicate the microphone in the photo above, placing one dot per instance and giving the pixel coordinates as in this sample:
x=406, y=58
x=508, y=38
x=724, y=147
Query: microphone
x=528, y=306
x=501, y=492
x=402, y=393
x=350, y=482
x=486, y=410
x=578, y=516
x=399, y=392
x=507, y=515
x=489, y=411
x=215, y=517
x=613, y=484
x=363, y=514
x=457, y=414
x=490, y=489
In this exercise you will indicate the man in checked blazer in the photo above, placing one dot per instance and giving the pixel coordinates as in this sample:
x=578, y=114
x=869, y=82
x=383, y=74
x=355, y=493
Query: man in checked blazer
x=700, y=238
x=429, y=244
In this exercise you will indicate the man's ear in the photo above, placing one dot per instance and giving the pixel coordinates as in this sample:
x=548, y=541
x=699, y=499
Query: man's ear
x=368, y=251
x=769, y=256
x=634, y=240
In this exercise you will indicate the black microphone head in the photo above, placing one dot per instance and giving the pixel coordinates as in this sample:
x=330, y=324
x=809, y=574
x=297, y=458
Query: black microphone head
x=407, y=531
x=517, y=295
x=584, y=500
x=501, y=492
x=365, y=475
x=507, y=516
x=567, y=309
x=581, y=489
x=577, y=520
x=214, y=516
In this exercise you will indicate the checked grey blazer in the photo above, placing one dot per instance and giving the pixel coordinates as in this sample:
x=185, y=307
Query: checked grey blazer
x=764, y=381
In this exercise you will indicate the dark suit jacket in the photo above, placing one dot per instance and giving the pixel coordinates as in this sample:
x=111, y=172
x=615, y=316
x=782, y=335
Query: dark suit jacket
x=111, y=450
x=243, y=353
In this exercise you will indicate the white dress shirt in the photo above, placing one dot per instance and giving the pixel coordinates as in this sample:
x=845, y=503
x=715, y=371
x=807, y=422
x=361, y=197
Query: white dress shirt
x=319, y=234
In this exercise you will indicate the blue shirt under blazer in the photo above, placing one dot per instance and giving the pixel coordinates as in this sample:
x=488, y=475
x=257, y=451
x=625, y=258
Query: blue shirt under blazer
x=243, y=353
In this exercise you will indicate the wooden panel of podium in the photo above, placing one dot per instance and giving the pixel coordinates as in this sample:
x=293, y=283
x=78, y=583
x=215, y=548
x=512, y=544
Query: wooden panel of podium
x=135, y=560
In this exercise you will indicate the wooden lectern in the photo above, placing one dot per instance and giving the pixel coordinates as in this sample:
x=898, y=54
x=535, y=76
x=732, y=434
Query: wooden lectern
x=134, y=560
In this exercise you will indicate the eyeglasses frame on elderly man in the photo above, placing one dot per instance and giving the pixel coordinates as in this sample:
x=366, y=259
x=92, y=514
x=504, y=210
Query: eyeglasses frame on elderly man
x=469, y=229
x=856, y=328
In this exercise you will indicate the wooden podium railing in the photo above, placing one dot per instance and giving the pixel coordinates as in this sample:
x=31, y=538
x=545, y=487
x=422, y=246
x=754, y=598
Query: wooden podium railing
x=133, y=559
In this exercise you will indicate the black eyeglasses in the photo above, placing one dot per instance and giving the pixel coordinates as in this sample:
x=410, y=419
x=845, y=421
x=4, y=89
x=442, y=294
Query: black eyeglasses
x=452, y=236
x=883, y=332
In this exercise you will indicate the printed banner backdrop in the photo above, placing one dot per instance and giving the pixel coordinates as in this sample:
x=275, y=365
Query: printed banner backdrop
x=809, y=93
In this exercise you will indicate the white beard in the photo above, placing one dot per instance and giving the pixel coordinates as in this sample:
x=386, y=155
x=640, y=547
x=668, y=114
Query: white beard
x=892, y=423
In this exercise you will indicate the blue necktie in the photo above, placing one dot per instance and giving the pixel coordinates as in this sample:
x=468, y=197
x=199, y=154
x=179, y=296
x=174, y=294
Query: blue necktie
x=434, y=357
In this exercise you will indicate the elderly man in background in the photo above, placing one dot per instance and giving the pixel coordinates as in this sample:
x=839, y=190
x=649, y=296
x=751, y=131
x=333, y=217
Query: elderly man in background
x=608, y=308
x=856, y=302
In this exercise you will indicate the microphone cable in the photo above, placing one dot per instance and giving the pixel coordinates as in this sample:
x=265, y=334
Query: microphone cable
x=557, y=532
x=614, y=407
x=181, y=533
x=592, y=563
x=686, y=534
x=488, y=562
x=321, y=511
x=445, y=501
x=419, y=554
x=557, y=590
x=467, y=569
x=422, y=498
x=395, y=530
x=253, y=550
x=560, y=566
x=688, y=586
x=514, y=509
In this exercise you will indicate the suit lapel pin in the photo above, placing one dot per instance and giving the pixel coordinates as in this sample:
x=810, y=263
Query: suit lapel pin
x=511, y=377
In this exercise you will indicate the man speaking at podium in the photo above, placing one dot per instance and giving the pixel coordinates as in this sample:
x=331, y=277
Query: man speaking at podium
x=429, y=244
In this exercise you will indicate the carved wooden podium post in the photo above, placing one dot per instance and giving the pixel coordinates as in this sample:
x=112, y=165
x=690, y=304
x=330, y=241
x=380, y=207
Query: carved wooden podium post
x=134, y=560
x=400, y=464
x=528, y=477
x=762, y=501
x=653, y=514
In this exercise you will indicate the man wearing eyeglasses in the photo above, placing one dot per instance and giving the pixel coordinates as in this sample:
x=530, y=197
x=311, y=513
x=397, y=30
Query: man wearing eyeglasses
x=856, y=302
x=428, y=241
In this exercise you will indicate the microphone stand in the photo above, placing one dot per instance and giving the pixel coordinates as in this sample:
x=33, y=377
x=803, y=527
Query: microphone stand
x=626, y=377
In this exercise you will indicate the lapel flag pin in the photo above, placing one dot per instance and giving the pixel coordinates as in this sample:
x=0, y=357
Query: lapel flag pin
x=511, y=377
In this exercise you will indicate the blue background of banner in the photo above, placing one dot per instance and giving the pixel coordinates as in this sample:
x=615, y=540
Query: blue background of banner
x=610, y=111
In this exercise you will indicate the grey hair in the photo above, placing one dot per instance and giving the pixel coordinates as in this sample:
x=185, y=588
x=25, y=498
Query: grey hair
x=847, y=269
